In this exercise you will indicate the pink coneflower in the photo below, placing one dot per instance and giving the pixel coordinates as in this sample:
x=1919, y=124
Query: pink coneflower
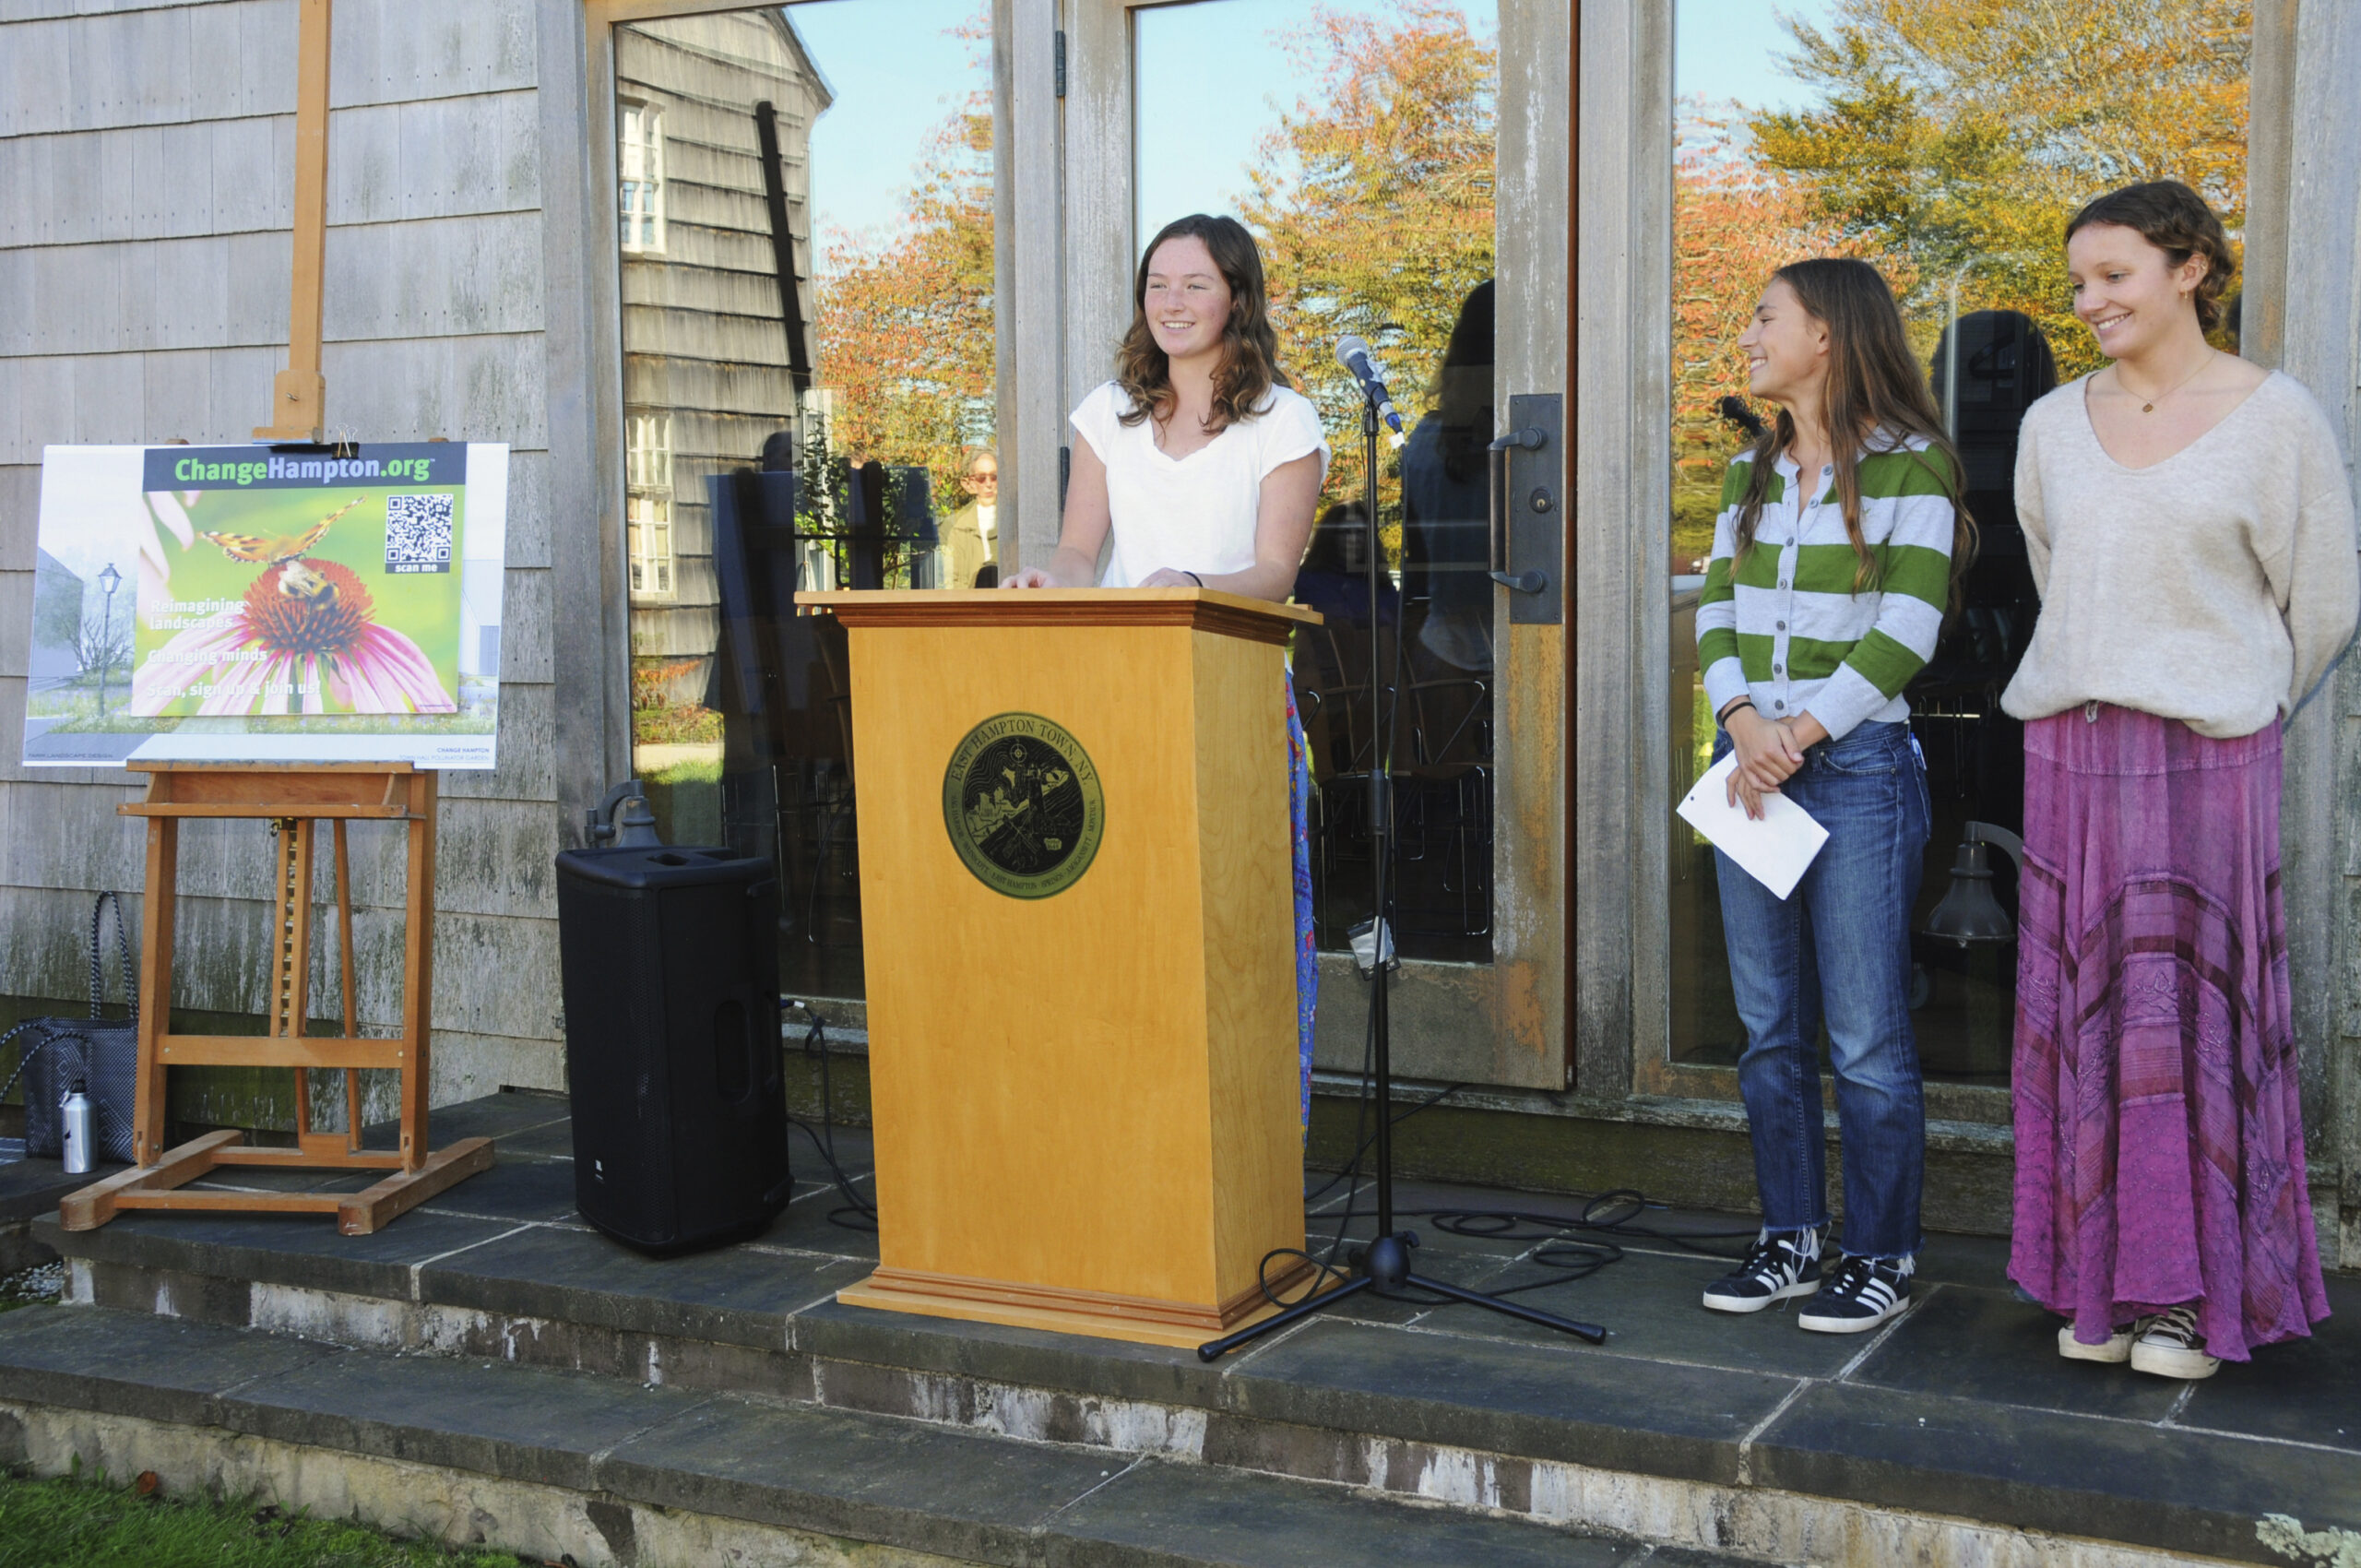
x=304, y=640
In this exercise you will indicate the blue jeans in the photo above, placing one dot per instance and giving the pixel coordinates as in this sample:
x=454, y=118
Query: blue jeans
x=1838, y=949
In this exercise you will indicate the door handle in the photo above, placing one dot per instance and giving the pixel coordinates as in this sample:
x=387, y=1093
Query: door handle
x=1530, y=438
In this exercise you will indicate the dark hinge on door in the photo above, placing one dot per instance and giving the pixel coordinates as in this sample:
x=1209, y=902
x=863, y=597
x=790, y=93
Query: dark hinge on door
x=1062, y=63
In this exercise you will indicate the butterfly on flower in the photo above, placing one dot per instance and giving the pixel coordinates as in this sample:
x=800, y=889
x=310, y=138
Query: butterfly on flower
x=283, y=547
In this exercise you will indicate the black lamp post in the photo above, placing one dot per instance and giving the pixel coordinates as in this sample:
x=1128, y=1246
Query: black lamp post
x=1967, y=913
x=109, y=580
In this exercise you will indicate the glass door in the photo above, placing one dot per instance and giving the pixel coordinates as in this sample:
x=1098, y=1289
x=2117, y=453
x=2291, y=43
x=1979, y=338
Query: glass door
x=1766, y=167
x=806, y=240
x=1403, y=170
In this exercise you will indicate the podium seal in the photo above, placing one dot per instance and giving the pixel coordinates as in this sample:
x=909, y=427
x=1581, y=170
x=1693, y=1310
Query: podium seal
x=1021, y=802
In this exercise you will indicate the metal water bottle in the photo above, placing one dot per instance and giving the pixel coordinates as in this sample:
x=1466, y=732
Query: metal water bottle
x=80, y=1131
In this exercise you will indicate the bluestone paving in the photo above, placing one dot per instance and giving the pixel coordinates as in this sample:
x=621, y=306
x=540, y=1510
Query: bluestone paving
x=516, y=1188
x=1003, y=1353
x=523, y=1423
x=138, y=1364
x=28, y=1187
x=734, y=1295
x=1981, y=1261
x=2147, y=1485
x=2012, y=1434
x=1158, y=1514
x=2309, y=1391
x=1612, y=1412
x=1651, y=1309
x=805, y=1223
x=301, y=1250
x=923, y=1487
x=511, y=1114
x=547, y=1140
x=1987, y=1345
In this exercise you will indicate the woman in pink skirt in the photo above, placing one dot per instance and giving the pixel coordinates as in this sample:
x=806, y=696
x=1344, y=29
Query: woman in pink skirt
x=2190, y=528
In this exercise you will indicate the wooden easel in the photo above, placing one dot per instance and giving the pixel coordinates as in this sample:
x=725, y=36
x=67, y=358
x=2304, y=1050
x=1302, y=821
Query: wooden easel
x=296, y=797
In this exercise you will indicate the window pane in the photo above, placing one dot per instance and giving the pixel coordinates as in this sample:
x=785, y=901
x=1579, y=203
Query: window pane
x=807, y=337
x=1986, y=127
x=1356, y=140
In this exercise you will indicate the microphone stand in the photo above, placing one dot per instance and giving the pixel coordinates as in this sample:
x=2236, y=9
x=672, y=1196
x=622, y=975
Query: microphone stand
x=1384, y=1265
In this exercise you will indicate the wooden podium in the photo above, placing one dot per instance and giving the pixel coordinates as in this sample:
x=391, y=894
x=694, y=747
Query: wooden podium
x=1084, y=1083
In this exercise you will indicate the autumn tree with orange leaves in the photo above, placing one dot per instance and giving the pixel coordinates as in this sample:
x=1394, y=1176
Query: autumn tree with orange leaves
x=1734, y=223
x=1372, y=206
x=905, y=322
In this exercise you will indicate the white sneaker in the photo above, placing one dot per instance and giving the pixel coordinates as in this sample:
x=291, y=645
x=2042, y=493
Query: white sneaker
x=2170, y=1345
x=2115, y=1349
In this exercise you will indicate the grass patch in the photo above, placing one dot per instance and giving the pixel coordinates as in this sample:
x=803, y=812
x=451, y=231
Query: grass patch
x=92, y=1523
x=693, y=770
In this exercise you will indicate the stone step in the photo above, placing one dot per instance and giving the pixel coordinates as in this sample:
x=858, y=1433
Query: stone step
x=1954, y=1434
x=552, y=1464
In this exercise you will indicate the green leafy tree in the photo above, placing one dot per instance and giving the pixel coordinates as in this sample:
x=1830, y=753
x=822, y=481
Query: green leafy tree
x=1959, y=136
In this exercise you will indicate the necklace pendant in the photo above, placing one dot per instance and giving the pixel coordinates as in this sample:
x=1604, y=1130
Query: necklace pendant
x=2147, y=408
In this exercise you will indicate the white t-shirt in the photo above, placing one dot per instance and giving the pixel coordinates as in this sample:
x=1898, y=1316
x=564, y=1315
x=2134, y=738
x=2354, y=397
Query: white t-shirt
x=1197, y=513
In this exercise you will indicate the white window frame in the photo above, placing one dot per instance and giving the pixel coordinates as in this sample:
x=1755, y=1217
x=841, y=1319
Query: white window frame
x=639, y=183
x=648, y=506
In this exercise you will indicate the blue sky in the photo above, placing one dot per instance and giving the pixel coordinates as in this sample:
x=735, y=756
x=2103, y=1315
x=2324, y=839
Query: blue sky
x=1213, y=79
x=899, y=73
x=1730, y=50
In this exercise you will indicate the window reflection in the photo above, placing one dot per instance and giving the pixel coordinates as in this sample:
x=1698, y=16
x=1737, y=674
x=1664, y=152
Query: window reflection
x=641, y=159
x=1357, y=142
x=806, y=268
x=1992, y=130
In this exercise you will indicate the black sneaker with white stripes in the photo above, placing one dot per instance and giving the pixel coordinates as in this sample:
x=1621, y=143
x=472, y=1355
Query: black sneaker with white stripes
x=1775, y=1268
x=1860, y=1296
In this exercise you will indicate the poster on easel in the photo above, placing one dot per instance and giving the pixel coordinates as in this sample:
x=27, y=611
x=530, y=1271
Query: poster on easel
x=260, y=605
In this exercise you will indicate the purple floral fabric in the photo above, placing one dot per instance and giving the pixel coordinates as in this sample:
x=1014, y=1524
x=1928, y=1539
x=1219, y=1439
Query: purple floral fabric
x=2160, y=1139
x=1307, y=954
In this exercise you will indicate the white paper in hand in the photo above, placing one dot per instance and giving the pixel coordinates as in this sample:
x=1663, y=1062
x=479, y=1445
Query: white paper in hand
x=1774, y=851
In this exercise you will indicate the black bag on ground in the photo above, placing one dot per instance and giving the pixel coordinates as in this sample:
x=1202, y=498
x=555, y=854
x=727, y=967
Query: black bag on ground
x=99, y=1052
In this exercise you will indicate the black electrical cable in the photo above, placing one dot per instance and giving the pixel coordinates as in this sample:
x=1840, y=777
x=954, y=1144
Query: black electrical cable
x=856, y=1213
x=1610, y=1216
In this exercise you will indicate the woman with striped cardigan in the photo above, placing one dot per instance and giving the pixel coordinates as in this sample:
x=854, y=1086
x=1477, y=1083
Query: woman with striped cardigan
x=1839, y=542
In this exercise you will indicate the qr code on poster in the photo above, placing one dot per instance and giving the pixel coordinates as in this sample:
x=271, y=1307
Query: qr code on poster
x=418, y=534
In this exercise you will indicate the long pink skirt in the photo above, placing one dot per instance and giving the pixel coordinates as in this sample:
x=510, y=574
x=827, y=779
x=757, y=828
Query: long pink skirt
x=2160, y=1140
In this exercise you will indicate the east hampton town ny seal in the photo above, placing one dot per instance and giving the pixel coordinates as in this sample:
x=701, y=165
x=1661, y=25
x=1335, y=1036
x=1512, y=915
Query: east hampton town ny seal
x=1023, y=805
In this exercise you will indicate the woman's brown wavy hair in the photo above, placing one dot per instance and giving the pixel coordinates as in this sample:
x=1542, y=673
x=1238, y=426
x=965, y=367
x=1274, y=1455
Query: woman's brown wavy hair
x=1874, y=384
x=2175, y=220
x=1249, y=349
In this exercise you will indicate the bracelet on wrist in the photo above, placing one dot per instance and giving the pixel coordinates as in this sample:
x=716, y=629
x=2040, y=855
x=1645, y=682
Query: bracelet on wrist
x=1723, y=717
x=1193, y=577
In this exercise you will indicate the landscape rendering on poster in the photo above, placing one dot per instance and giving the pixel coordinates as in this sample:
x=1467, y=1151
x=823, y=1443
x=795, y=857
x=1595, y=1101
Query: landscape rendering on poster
x=268, y=604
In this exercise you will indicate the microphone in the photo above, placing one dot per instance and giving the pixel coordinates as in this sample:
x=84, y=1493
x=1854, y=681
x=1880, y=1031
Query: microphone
x=1353, y=354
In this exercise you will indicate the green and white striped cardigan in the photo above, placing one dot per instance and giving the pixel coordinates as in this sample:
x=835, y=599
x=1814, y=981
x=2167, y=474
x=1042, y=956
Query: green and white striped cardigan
x=1786, y=627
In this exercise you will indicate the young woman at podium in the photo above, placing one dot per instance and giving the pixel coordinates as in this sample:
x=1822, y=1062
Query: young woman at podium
x=1205, y=467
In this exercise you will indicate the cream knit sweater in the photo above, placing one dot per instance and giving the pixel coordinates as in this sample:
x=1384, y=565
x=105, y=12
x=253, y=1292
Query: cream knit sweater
x=2215, y=587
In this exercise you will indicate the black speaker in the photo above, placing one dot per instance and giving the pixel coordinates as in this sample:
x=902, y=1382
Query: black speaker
x=671, y=970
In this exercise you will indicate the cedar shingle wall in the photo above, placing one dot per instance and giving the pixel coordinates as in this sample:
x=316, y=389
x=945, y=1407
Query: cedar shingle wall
x=145, y=169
